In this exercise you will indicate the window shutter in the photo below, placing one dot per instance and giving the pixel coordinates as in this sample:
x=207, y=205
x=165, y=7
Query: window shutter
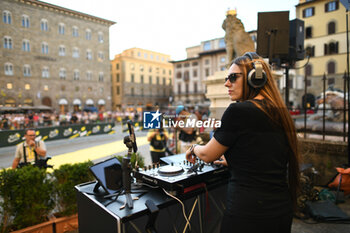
x=326, y=7
x=313, y=11
x=304, y=13
x=325, y=49
x=336, y=47
x=313, y=51
x=337, y=5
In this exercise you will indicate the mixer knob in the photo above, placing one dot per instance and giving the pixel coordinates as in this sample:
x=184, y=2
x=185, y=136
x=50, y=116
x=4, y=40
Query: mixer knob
x=149, y=167
x=153, y=166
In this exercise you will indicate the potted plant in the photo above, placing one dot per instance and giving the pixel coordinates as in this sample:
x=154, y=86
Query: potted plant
x=26, y=199
x=64, y=180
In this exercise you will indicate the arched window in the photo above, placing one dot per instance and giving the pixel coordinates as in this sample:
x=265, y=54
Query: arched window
x=7, y=17
x=331, y=28
x=8, y=69
x=331, y=67
x=25, y=21
x=310, y=51
x=178, y=75
x=331, y=48
x=61, y=28
x=308, y=70
x=44, y=25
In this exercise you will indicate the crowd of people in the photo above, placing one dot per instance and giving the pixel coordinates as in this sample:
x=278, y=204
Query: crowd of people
x=15, y=121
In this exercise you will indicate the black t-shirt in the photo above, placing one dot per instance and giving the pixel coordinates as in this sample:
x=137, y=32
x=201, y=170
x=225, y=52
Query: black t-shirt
x=257, y=157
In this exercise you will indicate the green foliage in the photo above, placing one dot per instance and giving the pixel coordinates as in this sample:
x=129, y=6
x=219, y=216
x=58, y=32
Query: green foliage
x=134, y=156
x=26, y=197
x=65, y=178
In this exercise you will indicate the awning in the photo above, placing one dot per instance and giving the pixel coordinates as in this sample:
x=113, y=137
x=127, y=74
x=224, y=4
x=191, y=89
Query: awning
x=62, y=102
x=101, y=102
x=89, y=102
x=77, y=102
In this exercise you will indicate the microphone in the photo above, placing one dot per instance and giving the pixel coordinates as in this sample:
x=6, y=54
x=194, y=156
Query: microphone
x=132, y=136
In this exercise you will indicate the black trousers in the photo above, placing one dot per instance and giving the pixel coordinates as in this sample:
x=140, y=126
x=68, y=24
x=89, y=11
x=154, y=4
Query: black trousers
x=281, y=224
x=156, y=156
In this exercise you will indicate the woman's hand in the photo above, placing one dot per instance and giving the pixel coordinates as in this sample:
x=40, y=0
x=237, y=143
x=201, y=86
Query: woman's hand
x=222, y=161
x=190, y=157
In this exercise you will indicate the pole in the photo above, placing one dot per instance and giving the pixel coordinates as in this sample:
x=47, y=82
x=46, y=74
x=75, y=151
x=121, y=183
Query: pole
x=347, y=67
x=287, y=86
x=324, y=107
x=305, y=106
x=344, y=107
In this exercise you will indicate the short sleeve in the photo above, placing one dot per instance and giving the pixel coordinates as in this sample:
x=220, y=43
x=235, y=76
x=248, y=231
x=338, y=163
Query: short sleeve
x=232, y=124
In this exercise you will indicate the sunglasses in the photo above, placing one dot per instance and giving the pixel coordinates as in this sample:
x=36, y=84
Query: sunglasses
x=232, y=77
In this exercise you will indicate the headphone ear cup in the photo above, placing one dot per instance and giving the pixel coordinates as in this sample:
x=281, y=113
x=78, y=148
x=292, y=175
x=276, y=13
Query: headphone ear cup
x=256, y=82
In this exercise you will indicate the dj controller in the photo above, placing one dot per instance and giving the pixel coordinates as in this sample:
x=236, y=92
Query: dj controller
x=176, y=174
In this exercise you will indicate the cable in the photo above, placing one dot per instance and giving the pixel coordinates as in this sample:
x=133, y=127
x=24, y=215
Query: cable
x=154, y=187
x=189, y=217
x=182, y=204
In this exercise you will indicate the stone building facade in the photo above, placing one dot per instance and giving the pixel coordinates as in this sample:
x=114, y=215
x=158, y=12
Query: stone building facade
x=141, y=78
x=325, y=43
x=53, y=56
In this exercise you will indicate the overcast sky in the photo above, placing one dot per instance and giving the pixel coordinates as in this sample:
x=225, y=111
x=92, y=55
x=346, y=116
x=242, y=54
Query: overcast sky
x=171, y=26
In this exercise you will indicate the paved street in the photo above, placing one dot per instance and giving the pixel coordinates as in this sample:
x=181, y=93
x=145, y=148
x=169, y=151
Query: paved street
x=99, y=145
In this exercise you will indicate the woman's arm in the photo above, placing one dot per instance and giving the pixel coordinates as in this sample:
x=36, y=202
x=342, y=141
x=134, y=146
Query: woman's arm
x=212, y=151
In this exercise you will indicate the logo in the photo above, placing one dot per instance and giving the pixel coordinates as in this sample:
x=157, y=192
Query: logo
x=151, y=120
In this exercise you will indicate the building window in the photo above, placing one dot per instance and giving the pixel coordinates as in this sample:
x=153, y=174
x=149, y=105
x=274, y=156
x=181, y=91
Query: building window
x=132, y=66
x=88, y=34
x=331, y=48
x=222, y=68
x=62, y=74
x=7, y=42
x=310, y=51
x=207, y=72
x=331, y=6
x=27, y=86
x=46, y=87
x=141, y=77
x=8, y=69
x=308, y=32
x=186, y=64
x=331, y=81
x=222, y=43
x=178, y=75
x=186, y=76
x=118, y=78
x=7, y=17
x=187, y=89
x=132, y=78
x=145, y=55
x=117, y=66
x=150, y=69
x=61, y=28
x=132, y=91
x=308, y=12
x=157, y=80
x=291, y=83
x=150, y=79
x=195, y=87
x=61, y=50
x=44, y=25
x=164, y=81
x=141, y=68
x=195, y=74
x=100, y=56
x=207, y=61
x=76, y=75
x=169, y=72
x=26, y=71
x=9, y=86
x=195, y=63
x=25, y=45
x=179, y=88
x=178, y=66
x=331, y=67
x=100, y=37
x=44, y=48
x=88, y=54
x=223, y=59
x=100, y=77
x=308, y=70
x=118, y=90
x=77, y=89
x=206, y=46
x=75, y=31
x=25, y=21
x=331, y=28
x=75, y=52
x=89, y=75
x=45, y=72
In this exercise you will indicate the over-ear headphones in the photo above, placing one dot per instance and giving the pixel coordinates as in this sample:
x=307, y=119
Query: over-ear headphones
x=256, y=76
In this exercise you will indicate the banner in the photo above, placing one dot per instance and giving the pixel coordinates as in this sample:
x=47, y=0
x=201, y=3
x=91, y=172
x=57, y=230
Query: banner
x=13, y=137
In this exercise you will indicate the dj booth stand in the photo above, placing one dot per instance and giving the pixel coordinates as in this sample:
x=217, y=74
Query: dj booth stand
x=98, y=214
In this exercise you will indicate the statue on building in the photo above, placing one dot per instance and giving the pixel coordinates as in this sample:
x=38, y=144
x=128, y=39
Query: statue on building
x=237, y=40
